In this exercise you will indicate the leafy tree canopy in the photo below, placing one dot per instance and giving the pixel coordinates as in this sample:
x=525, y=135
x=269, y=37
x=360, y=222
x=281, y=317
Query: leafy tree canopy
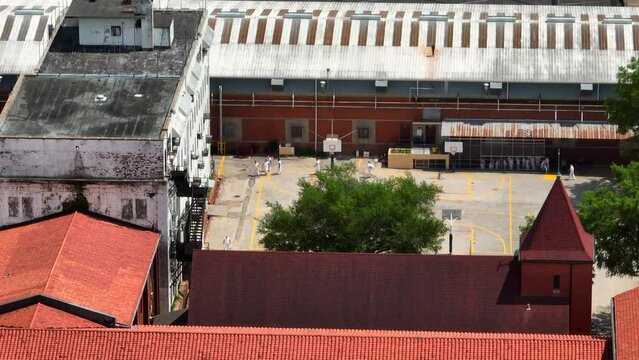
x=342, y=213
x=530, y=221
x=611, y=214
x=624, y=109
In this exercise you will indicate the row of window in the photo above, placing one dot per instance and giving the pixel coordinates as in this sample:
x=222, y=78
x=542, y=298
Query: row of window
x=23, y=207
x=297, y=131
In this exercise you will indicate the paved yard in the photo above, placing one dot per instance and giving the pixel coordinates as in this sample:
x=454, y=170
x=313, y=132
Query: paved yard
x=493, y=205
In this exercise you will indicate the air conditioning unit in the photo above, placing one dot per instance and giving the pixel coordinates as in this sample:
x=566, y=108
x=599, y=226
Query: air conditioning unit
x=381, y=84
x=176, y=141
x=209, y=139
x=205, y=152
x=277, y=83
x=199, y=136
x=207, y=115
x=194, y=155
x=200, y=165
x=197, y=181
x=586, y=89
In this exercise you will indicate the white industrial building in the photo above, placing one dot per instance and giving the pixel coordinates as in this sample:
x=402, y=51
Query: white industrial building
x=115, y=128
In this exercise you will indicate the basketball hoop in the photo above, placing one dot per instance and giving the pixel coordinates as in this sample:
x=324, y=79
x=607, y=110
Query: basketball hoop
x=331, y=148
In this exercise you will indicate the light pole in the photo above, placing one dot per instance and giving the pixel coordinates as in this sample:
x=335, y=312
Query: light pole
x=315, y=146
x=558, y=162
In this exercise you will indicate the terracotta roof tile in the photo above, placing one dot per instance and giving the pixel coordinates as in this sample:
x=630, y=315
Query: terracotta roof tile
x=626, y=307
x=367, y=291
x=42, y=316
x=557, y=233
x=151, y=342
x=78, y=259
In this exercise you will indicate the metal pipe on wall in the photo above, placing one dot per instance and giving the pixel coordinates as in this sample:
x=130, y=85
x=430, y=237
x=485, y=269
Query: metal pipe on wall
x=220, y=88
x=316, y=116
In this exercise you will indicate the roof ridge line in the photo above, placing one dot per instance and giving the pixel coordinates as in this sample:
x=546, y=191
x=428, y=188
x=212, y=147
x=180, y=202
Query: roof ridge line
x=64, y=240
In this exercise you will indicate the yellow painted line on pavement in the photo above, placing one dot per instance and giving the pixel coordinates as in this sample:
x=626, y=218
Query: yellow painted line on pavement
x=257, y=213
x=499, y=237
x=359, y=163
x=219, y=171
x=550, y=177
x=472, y=236
x=510, y=212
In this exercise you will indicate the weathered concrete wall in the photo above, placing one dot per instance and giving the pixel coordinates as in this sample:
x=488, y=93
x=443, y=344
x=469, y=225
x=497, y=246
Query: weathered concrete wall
x=143, y=203
x=81, y=159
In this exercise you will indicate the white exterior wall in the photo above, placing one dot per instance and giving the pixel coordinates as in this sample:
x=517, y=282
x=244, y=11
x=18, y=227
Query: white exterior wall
x=81, y=159
x=97, y=31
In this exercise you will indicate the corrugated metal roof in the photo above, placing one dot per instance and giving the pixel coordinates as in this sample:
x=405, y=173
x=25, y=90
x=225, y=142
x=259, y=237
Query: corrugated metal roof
x=24, y=33
x=540, y=130
x=514, y=43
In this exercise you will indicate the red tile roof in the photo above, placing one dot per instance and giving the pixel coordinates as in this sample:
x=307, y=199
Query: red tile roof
x=42, y=316
x=151, y=342
x=78, y=259
x=367, y=291
x=557, y=233
x=626, y=315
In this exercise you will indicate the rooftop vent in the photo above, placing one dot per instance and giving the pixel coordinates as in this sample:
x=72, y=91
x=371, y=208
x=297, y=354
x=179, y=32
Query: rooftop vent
x=501, y=18
x=561, y=19
x=231, y=14
x=433, y=17
x=298, y=15
x=100, y=98
x=366, y=17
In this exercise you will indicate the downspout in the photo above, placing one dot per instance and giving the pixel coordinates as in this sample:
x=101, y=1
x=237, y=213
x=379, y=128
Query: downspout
x=612, y=327
x=220, y=89
x=316, y=117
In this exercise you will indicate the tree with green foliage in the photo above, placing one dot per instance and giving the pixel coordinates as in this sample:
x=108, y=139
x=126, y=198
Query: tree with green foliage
x=623, y=109
x=342, y=213
x=530, y=221
x=611, y=214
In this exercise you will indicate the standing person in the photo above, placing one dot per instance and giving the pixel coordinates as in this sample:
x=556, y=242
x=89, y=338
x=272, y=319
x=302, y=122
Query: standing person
x=227, y=242
x=370, y=168
x=571, y=171
x=267, y=166
x=256, y=169
x=318, y=165
x=279, y=166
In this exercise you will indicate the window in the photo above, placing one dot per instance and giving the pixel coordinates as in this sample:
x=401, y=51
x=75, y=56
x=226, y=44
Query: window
x=27, y=207
x=363, y=133
x=296, y=131
x=116, y=31
x=229, y=130
x=140, y=208
x=556, y=283
x=127, y=209
x=14, y=207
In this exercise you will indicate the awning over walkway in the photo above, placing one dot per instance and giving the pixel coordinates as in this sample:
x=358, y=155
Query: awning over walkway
x=539, y=130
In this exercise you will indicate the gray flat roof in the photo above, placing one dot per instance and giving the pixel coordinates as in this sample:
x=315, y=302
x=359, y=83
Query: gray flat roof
x=65, y=58
x=102, y=8
x=70, y=108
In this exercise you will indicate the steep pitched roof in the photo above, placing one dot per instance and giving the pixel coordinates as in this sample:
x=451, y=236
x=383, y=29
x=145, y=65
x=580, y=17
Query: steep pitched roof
x=367, y=291
x=626, y=309
x=76, y=260
x=557, y=233
x=153, y=342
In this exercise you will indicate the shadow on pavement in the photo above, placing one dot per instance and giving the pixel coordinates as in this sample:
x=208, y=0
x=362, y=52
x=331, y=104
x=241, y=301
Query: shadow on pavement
x=601, y=322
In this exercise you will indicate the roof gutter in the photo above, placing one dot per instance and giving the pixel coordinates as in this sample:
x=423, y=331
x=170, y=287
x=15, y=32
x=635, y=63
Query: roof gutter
x=612, y=327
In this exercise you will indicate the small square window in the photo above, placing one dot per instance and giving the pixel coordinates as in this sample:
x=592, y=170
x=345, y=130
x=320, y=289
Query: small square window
x=363, y=133
x=229, y=130
x=556, y=284
x=296, y=131
x=116, y=31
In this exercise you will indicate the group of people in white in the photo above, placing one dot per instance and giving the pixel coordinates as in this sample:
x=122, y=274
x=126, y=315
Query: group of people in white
x=266, y=166
x=518, y=163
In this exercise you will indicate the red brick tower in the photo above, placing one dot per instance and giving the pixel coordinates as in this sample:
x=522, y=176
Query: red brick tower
x=556, y=258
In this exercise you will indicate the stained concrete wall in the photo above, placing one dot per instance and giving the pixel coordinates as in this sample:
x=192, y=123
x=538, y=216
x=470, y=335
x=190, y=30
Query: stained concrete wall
x=141, y=203
x=81, y=159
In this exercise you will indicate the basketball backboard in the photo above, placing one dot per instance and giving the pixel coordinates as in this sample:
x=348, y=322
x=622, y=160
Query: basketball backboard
x=332, y=146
